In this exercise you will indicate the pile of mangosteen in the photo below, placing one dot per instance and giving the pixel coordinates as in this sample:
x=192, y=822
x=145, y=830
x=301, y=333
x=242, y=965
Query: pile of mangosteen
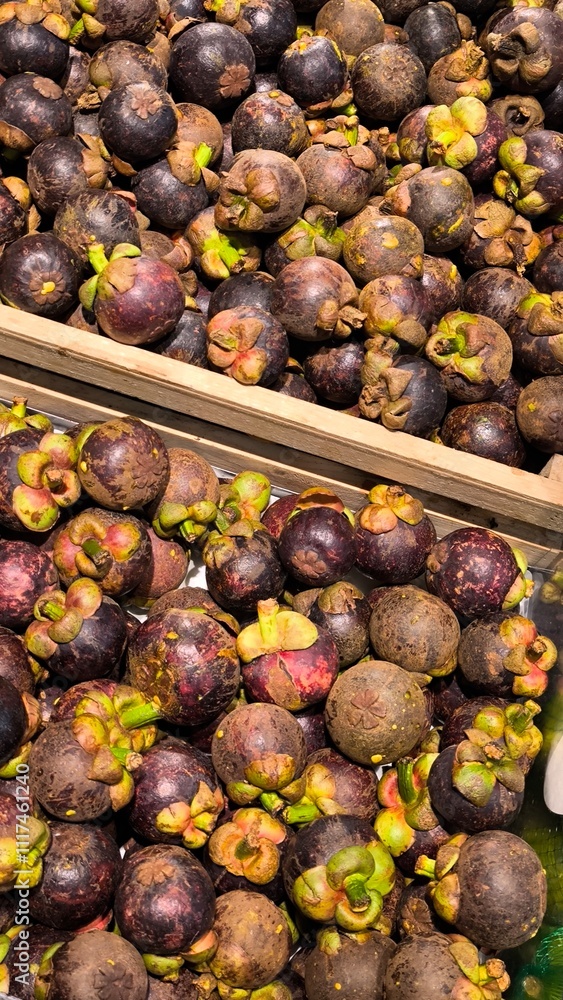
x=273, y=786
x=350, y=203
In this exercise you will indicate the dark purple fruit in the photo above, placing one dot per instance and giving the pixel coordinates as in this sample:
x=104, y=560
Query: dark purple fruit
x=32, y=108
x=177, y=796
x=138, y=122
x=315, y=299
x=496, y=292
x=537, y=333
x=340, y=179
x=312, y=70
x=198, y=125
x=277, y=514
x=464, y=72
x=443, y=285
x=519, y=113
x=123, y=464
x=333, y=372
x=61, y=167
x=80, y=874
x=242, y=290
x=247, y=344
x=548, y=268
x=485, y=803
x=468, y=138
x=433, y=32
x=39, y=274
x=112, y=549
x=381, y=246
x=170, y=192
x=473, y=353
x=26, y=572
x=293, y=383
x=397, y=307
x=270, y=120
x=394, y=536
x=251, y=952
x=538, y=157
x=186, y=501
x=439, y=201
x=525, y=50
x=344, y=612
x=269, y=26
x=502, y=654
x=14, y=202
x=332, y=784
x=212, y=65
x=539, y=414
x=13, y=720
x=122, y=62
x=242, y=566
x=388, y=81
x=485, y=429
x=411, y=135
x=410, y=396
x=354, y=963
x=397, y=11
x=89, y=217
x=33, y=45
x=500, y=238
x=59, y=770
x=263, y=191
x=15, y=663
x=476, y=572
x=102, y=961
x=317, y=545
x=408, y=972
x=187, y=342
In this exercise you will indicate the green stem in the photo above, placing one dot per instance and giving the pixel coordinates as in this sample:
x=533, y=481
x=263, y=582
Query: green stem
x=356, y=892
x=203, y=155
x=243, y=851
x=140, y=715
x=267, y=620
x=301, y=813
x=272, y=802
x=19, y=408
x=97, y=258
x=53, y=611
x=228, y=254
x=405, y=779
x=93, y=548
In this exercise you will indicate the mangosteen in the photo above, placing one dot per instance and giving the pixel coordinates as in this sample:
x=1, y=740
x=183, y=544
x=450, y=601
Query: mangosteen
x=411, y=138
x=104, y=217
x=317, y=545
x=186, y=502
x=33, y=45
x=242, y=565
x=316, y=233
x=273, y=196
x=525, y=50
x=344, y=612
x=258, y=750
x=253, y=941
x=447, y=695
x=80, y=874
x=355, y=25
x=363, y=705
x=187, y=661
x=333, y=372
x=537, y=333
x=507, y=394
x=519, y=113
x=123, y=62
x=123, y=464
x=500, y=237
x=164, y=901
x=39, y=274
x=481, y=896
x=293, y=383
x=37, y=478
x=14, y=720
x=340, y=179
x=166, y=569
x=269, y=25
x=539, y=414
x=186, y=598
x=242, y=290
x=476, y=572
x=330, y=785
x=15, y=204
x=219, y=255
x=354, y=962
x=312, y=723
x=112, y=549
x=485, y=429
x=415, y=630
x=198, y=125
x=397, y=306
x=247, y=344
x=538, y=157
x=466, y=137
x=116, y=19
x=410, y=396
x=100, y=961
x=26, y=572
x=443, y=285
x=212, y=65
x=286, y=660
x=548, y=271
x=394, y=536
x=32, y=108
x=245, y=853
x=388, y=81
x=16, y=665
x=473, y=353
x=496, y=292
x=383, y=245
x=80, y=635
x=315, y=299
x=503, y=653
x=433, y=32
x=462, y=73
x=312, y=70
x=177, y=796
x=337, y=872
x=439, y=201
x=431, y=966
x=61, y=166
x=171, y=191
x=18, y=418
x=75, y=83
x=270, y=120
x=187, y=342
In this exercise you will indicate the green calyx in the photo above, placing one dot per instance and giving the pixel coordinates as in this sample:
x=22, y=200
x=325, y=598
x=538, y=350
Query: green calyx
x=386, y=507
x=276, y=630
x=246, y=497
x=189, y=522
x=22, y=849
x=264, y=777
x=514, y=725
x=517, y=181
x=99, y=262
x=480, y=980
x=444, y=886
x=403, y=793
x=451, y=132
x=456, y=346
x=311, y=796
x=60, y=617
x=16, y=418
x=349, y=890
x=316, y=496
x=522, y=587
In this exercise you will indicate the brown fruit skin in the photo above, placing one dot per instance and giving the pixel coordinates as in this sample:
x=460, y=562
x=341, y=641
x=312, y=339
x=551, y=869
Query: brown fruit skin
x=182, y=988
x=334, y=180
x=460, y=814
x=486, y=429
x=495, y=292
x=185, y=598
x=39, y=939
x=80, y=874
x=26, y=572
x=388, y=81
x=98, y=965
x=481, y=656
x=190, y=479
x=439, y=201
x=123, y=464
x=165, y=900
x=277, y=514
x=166, y=570
x=58, y=772
x=36, y=105
x=171, y=772
x=383, y=245
x=397, y=556
x=13, y=720
x=15, y=663
x=250, y=733
x=364, y=705
x=290, y=185
x=344, y=612
x=333, y=371
x=472, y=570
x=447, y=696
x=539, y=414
x=497, y=910
x=318, y=546
x=355, y=25
x=188, y=662
x=301, y=290
x=39, y=257
x=96, y=216
x=253, y=950
x=422, y=967
x=358, y=967
x=415, y=630
x=118, y=63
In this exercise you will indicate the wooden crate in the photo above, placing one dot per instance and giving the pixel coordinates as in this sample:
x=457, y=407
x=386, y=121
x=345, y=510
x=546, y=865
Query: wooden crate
x=297, y=444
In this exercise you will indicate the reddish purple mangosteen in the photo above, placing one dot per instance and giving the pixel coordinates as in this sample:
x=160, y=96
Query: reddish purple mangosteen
x=112, y=549
x=242, y=565
x=245, y=852
x=286, y=659
x=394, y=536
x=476, y=572
x=318, y=542
x=26, y=572
x=277, y=514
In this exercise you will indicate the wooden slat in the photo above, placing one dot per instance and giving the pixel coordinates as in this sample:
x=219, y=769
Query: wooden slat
x=287, y=422
x=230, y=450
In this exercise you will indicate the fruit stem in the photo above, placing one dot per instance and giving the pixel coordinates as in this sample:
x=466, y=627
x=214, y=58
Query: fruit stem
x=425, y=866
x=267, y=620
x=19, y=406
x=272, y=802
x=140, y=715
x=203, y=155
x=356, y=892
x=407, y=790
x=53, y=611
x=305, y=813
x=92, y=548
x=97, y=257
